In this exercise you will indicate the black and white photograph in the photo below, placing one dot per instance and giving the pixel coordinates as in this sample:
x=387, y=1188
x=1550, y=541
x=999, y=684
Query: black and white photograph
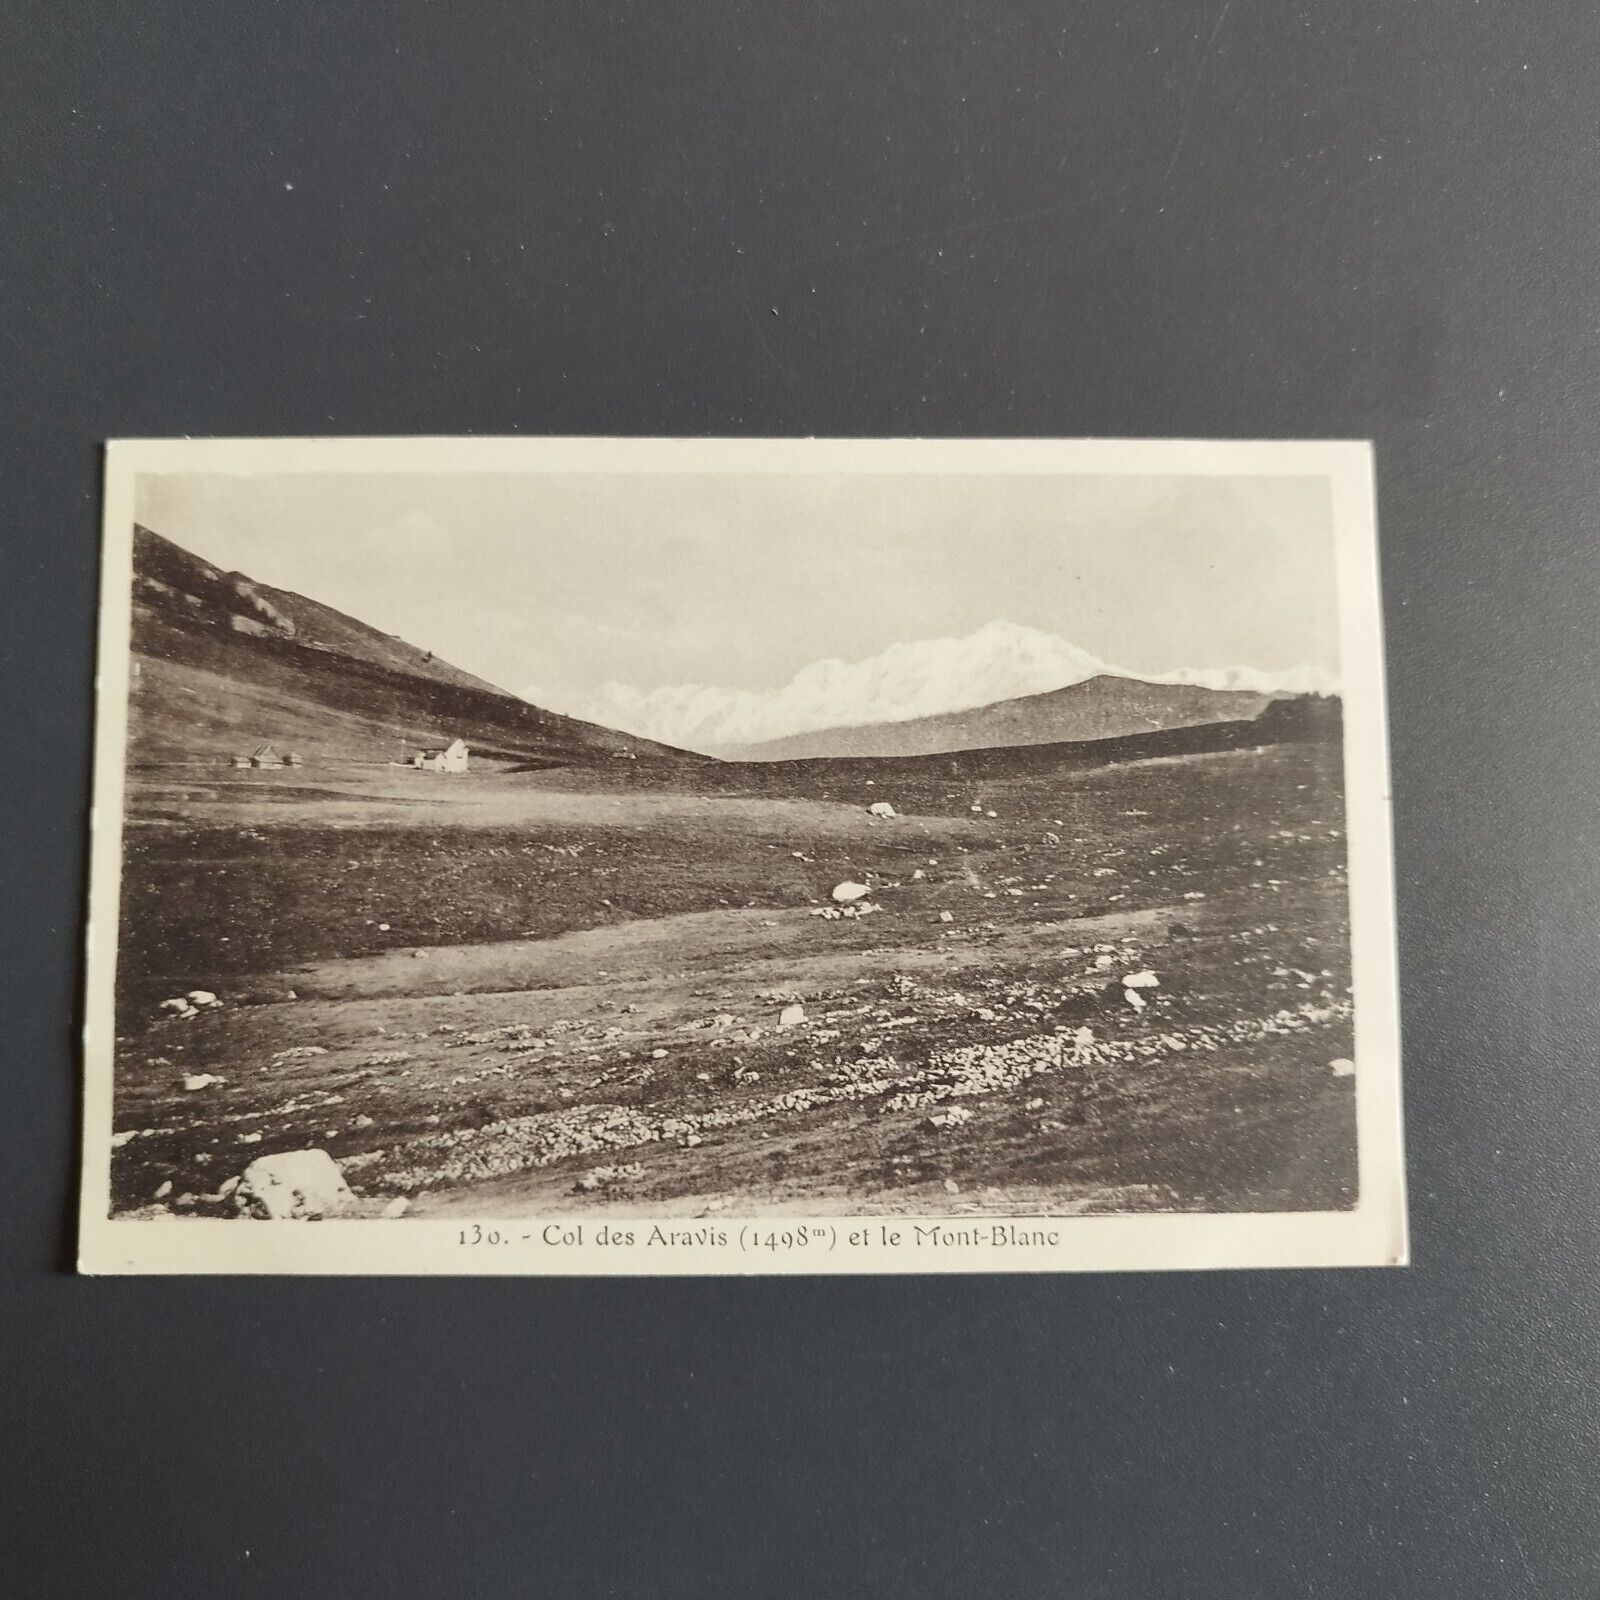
x=752, y=856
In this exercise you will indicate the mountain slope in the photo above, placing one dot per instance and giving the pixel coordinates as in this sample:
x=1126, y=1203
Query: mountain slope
x=1101, y=707
x=221, y=664
x=165, y=572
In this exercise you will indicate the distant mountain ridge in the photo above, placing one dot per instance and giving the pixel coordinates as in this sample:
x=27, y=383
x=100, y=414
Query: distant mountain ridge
x=1314, y=719
x=1101, y=707
x=222, y=663
x=907, y=681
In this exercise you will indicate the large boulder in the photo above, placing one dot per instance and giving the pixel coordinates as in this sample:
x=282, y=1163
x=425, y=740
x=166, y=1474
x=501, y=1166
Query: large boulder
x=849, y=891
x=300, y=1184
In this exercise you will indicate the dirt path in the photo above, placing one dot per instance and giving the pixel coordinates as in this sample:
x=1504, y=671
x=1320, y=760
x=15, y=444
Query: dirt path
x=809, y=949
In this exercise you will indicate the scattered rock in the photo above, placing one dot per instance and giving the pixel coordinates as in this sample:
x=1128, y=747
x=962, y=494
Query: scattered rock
x=396, y=1207
x=419, y=955
x=946, y=916
x=1134, y=999
x=299, y=1184
x=951, y=1118
x=199, y=1080
x=203, y=997
x=164, y=1190
x=1343, y=1067
x=1141, y=980
x=603, y=1177
x=658, y=1055
x=882, y=808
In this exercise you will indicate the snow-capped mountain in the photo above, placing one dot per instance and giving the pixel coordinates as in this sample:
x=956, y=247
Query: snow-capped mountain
x=1000, y=661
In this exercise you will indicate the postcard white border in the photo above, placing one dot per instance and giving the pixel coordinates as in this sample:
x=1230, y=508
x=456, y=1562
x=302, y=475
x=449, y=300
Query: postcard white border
x=1372, y=1234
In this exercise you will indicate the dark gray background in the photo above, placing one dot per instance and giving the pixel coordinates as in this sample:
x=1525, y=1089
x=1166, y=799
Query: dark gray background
x=1353, y=217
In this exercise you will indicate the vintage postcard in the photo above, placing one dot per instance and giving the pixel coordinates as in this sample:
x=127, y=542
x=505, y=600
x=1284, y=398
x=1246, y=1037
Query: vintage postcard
x=740, y=856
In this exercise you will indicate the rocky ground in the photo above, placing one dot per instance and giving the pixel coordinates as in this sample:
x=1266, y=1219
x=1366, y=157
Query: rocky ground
x=1057, y=992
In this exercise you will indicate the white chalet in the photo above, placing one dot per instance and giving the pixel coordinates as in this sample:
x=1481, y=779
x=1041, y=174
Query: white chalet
x=452, y=758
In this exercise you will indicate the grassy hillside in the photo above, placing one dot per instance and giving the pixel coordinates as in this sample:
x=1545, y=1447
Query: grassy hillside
x=1103, y=707
x=221, y=664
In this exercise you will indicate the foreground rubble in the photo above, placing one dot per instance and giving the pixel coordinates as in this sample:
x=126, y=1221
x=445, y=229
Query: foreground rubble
x=1043, y=1011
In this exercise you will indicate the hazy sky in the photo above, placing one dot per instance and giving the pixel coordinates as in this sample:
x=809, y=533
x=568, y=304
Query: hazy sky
x=738, y=580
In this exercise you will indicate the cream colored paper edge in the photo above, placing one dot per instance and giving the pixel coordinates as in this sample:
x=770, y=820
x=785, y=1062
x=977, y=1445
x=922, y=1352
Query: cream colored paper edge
x=1372, y=1234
